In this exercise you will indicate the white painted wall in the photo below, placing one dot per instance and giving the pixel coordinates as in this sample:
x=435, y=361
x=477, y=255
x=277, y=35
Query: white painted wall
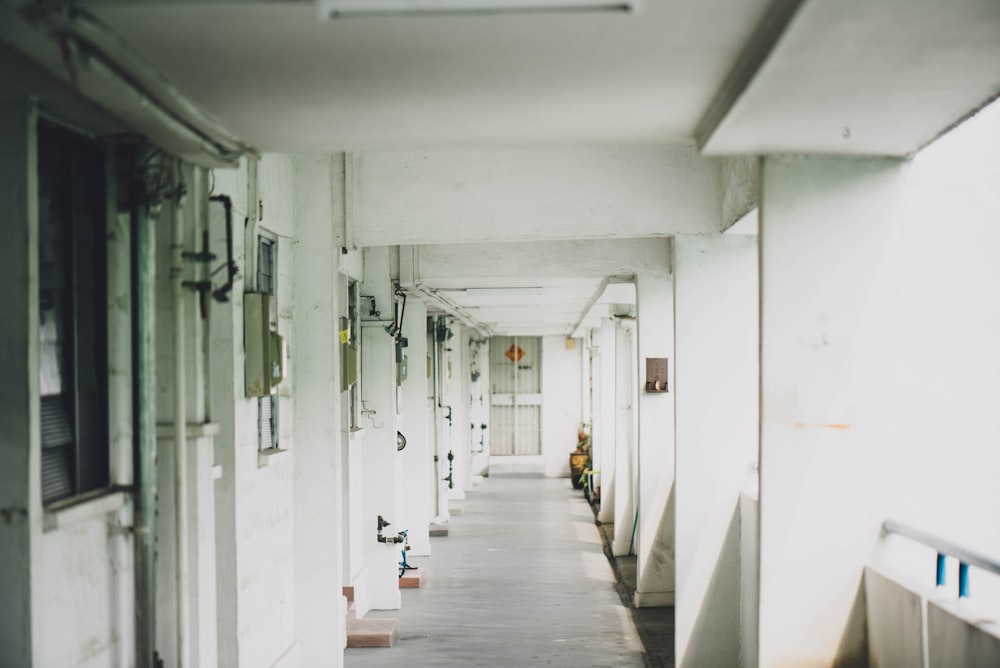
x=626, y=446
x=562, y=381
x=60, y=570
x=604, y=413
x=479, y=407
x=655, y=535
x=879, y=359
x=255, y=500
x=416, y=461
x=379, y=459
x=320, y=623
x=416, y=197
x=549, y=259
x=453, y=397
x=715, y=329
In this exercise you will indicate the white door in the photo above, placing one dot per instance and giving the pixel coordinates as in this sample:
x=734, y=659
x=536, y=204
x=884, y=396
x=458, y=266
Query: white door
x=516, y=378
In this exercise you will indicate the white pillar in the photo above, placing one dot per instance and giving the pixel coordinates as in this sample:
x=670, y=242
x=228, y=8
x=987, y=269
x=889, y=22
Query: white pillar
x=603, y=429
x=655, y=534
x=626, y=483
x=319, y=611
x=716, y=324
x=454, y=399
x=379, y=456
x=20, y=494
x=416, y=461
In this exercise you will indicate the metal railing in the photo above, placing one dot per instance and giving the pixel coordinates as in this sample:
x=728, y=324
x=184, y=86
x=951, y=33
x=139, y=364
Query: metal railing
x=945, y=549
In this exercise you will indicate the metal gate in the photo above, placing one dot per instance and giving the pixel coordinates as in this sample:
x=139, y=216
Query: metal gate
x=516, y=378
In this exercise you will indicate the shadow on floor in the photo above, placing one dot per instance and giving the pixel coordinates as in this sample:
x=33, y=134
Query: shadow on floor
x=655, y=626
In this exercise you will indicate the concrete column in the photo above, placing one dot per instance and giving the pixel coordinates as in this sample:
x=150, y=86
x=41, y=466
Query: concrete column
x=603, y=430
x=655, y=534
x=455, y=400
x=562, y=376
x=826, y=229
x=416, y=461
x=379, y=456
x=479, y=406
x=443, y=440
x=319, y=604
x=20, y=493
x=716, y=322
x=626, y=484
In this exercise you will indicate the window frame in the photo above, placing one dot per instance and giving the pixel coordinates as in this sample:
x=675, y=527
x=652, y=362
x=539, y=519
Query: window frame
x=73, y=301
x=268, y=241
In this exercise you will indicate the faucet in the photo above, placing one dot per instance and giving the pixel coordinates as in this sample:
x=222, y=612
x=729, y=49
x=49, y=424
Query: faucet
x=398, y=538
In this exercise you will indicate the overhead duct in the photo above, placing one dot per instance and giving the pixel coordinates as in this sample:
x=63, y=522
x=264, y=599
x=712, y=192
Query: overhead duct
x=98, y=64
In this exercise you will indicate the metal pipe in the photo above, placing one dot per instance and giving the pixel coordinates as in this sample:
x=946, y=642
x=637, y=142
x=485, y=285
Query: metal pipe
x=143, y=252
x=180, y=419
x=222, y=293
x=964, y=555
x=436, y=417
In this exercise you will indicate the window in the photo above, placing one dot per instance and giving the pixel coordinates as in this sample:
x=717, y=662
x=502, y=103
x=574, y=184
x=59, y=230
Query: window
x=351, y=358
x=267, y=278
x=72, y=327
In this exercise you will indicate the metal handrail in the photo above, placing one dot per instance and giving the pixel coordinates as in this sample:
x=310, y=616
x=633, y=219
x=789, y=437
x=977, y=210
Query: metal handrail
x=946, y=548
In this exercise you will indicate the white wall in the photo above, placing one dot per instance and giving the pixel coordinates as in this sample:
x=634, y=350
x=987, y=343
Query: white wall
x=318, y=484
x=716, y=324
x=415, y=197
x=416, y=461
x=879, y=366
x=562, y=379
x=654, y=539
x=604, y=413
x=255, y=545
x=379, y=458
x=626, y=447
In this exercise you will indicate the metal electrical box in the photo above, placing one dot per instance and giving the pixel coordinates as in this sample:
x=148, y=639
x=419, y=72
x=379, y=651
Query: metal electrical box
x=266, y=353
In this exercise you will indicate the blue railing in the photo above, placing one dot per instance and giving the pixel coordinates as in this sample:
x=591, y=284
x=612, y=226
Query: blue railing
x=945, y=549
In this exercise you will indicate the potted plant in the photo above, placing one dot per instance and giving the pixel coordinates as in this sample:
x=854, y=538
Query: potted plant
x=579, y=459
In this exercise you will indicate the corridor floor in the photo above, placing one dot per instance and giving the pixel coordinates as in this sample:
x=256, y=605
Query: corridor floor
x=521, y=580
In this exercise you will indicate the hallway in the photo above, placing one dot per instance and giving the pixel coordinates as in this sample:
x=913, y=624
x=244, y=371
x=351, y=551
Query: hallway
x=521, y=580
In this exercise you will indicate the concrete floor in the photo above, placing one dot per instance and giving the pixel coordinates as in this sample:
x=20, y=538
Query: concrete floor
x=521, y=580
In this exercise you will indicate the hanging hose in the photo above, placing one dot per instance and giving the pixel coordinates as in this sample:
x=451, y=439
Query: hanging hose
x=631, y=542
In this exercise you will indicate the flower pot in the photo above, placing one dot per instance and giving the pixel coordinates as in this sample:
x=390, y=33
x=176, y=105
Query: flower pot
x=577, y=465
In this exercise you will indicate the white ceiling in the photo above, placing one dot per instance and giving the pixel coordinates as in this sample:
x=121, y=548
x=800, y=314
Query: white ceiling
x=732, y=76
x=286, y=81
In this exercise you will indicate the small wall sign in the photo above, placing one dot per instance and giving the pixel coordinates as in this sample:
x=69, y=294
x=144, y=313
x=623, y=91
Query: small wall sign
x=656, y=374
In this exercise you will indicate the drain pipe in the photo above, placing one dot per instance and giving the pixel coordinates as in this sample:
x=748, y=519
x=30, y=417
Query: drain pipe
x=437, y=418
x=143, y=252
x=180, y=417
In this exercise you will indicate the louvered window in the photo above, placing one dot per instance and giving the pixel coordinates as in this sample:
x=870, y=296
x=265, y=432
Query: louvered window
x=72, y=325
x=267, y=407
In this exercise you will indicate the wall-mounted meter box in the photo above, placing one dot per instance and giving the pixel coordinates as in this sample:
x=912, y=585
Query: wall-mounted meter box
x=266, y=353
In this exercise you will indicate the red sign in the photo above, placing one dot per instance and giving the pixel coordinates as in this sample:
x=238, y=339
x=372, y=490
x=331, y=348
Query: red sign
x=514, y=353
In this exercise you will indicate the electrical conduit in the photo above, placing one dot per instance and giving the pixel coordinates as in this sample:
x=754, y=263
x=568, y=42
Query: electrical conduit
x=180, y=419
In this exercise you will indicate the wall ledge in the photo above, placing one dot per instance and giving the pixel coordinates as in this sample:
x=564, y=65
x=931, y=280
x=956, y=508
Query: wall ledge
x=271, y=456
x=84, y=507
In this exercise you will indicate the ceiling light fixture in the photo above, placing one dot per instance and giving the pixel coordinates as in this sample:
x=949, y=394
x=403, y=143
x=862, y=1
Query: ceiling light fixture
x=344, y=9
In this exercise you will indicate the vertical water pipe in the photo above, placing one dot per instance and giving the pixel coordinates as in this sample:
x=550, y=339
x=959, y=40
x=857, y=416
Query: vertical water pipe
x=143, y=258
x=180, y=418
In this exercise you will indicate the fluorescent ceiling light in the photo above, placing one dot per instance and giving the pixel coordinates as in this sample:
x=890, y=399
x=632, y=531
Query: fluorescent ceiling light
x=488, y=292
x=343, y=9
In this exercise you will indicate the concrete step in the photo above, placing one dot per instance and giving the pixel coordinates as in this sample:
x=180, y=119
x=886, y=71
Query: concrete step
x=372, y=633
x=413, y=578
